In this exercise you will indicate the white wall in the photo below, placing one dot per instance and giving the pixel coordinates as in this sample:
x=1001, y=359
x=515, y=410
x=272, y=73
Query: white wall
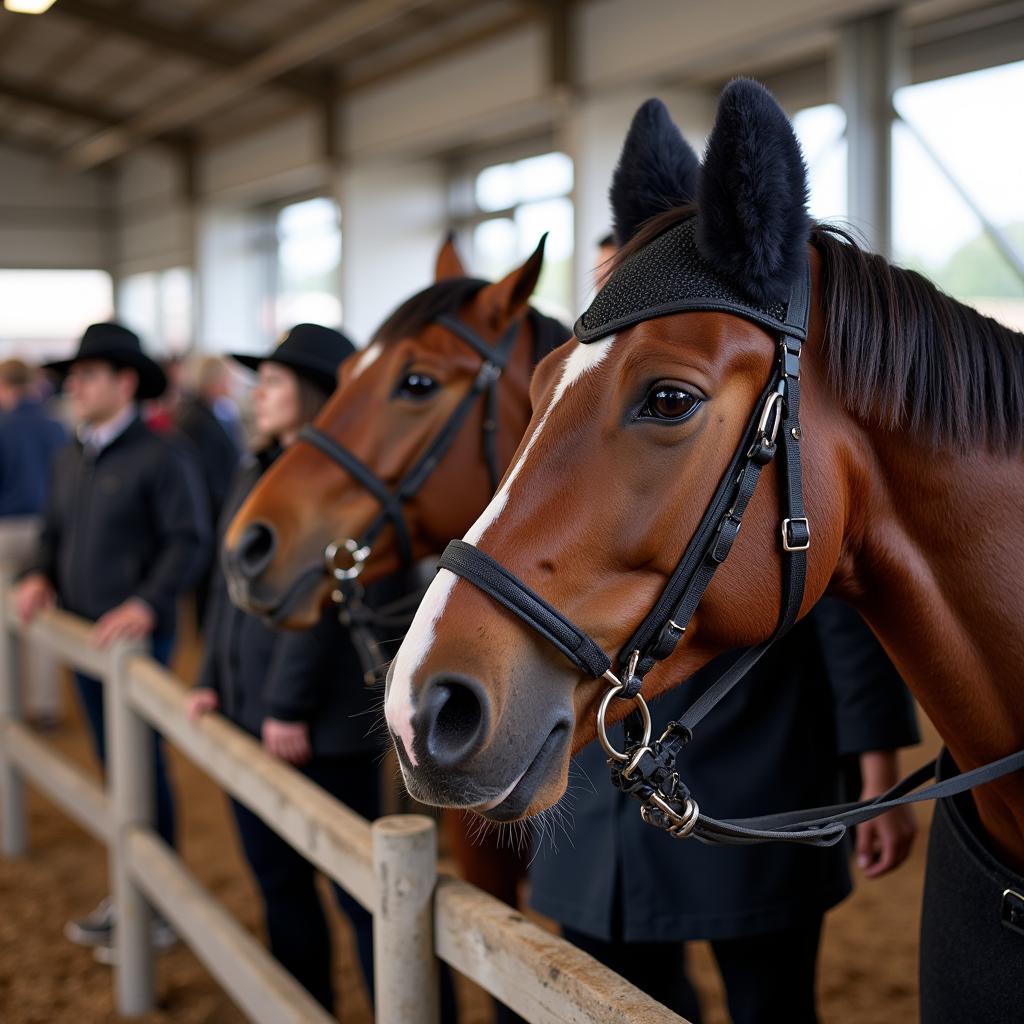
x=50, y=218
x=595, y=129
x=483, y=92
x=234, y=279
x=392, y=225
x=155, y=229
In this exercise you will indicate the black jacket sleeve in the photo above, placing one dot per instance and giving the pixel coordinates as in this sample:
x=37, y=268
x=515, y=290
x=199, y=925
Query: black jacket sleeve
x=208, y=677
x=873, y=708
x=177, y=503
x=301, y=664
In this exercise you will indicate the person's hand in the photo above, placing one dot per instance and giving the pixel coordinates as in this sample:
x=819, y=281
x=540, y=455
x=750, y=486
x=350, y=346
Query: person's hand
x=883, y=843
x=199, y=702
x=129, y=621
x=33, y=595
x=287, y=740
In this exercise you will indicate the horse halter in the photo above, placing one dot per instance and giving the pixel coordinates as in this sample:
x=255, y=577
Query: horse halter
x=495, y=358
x=668, y=276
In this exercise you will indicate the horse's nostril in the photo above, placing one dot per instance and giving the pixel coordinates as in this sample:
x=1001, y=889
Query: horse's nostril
x=255, y=549
x=455, y=720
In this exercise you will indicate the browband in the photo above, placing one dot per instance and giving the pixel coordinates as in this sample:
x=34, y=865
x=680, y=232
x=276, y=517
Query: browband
x=669, y=275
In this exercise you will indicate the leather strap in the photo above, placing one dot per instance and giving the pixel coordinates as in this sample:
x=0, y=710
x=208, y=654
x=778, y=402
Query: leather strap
x=510, y=592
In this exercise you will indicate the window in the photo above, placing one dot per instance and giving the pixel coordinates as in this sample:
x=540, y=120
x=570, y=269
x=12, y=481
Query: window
x=821, y=131
x=308, y=264
x=158, y=307
x=46, y=311
x=512, y=205
x=957, y=164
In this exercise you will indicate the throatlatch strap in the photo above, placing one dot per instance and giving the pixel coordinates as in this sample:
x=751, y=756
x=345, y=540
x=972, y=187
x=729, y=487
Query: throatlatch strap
x=497, y=582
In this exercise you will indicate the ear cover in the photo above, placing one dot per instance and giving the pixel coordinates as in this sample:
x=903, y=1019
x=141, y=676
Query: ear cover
x=657, y=170
x=752, y=223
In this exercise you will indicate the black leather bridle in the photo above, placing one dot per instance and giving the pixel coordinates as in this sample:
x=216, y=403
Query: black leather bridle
x=646, y=768
x=365, y=622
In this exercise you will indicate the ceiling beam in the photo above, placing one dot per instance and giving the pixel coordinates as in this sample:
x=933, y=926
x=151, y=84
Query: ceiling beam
x=454, y=44
x=220, y=89
x=183, y=42
x=37, y=95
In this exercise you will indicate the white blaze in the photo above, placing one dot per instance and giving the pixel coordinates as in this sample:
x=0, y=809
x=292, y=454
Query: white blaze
x=366, y=358
x=417, y=643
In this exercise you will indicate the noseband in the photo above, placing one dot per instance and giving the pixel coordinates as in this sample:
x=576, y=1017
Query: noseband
x=642, y=289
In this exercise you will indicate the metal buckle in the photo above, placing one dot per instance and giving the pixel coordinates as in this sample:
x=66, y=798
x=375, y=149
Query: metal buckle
x=602, y=712
x=1012, y=912
x=786, y=544
x=791, y=358
x=356, y=553
x=772, y=408
x=682, y=824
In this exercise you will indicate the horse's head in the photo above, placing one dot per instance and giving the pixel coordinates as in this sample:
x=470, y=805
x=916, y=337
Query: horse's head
x=418, y=376
x=630, y=436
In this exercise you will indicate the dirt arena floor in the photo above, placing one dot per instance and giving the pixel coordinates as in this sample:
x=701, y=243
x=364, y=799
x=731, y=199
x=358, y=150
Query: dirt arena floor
x=868, y=968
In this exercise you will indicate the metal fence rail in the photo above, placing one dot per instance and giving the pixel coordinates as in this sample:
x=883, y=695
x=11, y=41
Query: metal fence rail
x=390, y=866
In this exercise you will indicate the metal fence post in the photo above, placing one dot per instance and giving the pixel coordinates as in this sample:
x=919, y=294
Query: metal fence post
x=130, y=783
x=13, y=822
x=405, y=968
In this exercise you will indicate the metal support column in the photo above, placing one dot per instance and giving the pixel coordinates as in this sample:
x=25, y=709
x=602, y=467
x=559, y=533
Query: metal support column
x=870, y=67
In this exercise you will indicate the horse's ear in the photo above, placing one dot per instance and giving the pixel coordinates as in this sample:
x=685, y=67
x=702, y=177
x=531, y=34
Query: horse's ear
x=657, y=170
x=752, y=223
x=448, y=263
x=502, y=301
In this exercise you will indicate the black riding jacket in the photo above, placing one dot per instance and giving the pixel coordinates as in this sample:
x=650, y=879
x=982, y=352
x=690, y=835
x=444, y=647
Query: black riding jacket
x=128, y=522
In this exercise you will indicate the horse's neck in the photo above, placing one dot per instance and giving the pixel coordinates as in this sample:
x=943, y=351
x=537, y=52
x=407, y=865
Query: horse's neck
x=938, y=572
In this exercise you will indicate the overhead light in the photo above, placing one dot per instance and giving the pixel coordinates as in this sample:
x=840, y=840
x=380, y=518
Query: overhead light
x=28, y=6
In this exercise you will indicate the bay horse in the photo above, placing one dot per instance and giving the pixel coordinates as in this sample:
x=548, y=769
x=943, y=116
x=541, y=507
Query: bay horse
x=911, y=430
x=412, y=385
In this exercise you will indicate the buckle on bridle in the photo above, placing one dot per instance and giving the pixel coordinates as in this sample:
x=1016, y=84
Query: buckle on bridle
x=615, y=690
x=358, y=553
x=801, y=541
x=763, y=448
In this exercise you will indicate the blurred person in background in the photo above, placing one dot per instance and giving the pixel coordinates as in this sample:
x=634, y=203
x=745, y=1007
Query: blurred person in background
x=124, y=535
x=208, y=417
x=300, y=693
x=160, y=412
x=29, y=440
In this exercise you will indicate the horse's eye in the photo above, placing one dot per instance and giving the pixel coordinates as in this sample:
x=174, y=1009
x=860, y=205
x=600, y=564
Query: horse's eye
x=669, y=402
x=416, y=385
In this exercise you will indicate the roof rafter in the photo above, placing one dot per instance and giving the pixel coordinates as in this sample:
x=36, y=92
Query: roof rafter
x=214, y=92
x=184, y=42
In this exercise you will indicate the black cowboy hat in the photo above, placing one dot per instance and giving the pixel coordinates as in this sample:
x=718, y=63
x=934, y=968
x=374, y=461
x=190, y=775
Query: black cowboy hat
x=313, y=351
x=112, y=343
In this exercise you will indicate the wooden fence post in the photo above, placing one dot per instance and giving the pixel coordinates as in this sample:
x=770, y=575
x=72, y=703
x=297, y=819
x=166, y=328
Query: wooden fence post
x=13, y=822
x=130, y=782
x=405, y=967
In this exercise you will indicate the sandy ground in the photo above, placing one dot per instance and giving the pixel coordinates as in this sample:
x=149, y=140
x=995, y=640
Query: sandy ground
x=868, y=969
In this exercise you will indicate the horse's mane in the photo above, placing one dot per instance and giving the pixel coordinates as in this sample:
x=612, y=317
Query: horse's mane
x=901, y=353
x=449, y=296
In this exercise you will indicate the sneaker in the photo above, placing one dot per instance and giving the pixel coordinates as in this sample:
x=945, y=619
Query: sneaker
x=161, y=935
x=96, y=929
